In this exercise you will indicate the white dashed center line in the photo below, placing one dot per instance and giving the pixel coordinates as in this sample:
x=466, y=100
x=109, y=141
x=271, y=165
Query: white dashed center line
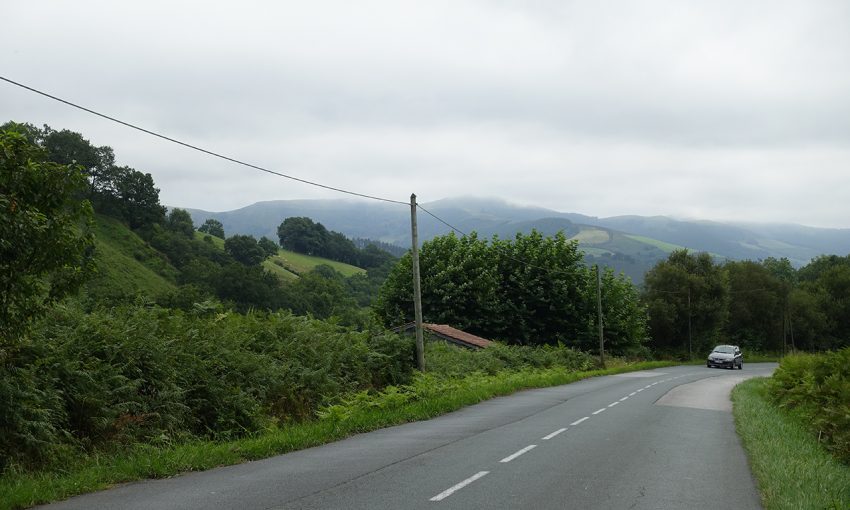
x=517, y=454
x=451, y=490
x=553, y=434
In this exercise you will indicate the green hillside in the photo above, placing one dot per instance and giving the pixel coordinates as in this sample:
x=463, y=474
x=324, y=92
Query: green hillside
x=126, y=265
x=289, y=264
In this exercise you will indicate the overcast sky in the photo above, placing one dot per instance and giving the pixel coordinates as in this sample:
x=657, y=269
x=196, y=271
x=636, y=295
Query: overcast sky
x=726, y=110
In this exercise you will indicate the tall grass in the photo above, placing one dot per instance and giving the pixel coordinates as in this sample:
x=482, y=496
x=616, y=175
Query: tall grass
x=793, y=471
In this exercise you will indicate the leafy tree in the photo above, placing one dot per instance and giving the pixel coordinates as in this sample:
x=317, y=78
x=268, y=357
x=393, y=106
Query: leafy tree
x=268, y=246
x=686, y=296
x=212, y=227
x=248, y=287
x=531, y=290
x=757, y=300
x=624, y=317
x=45, y=241
x=180, y=221
x=302, y=235
x=139, y=198
x=244, y=249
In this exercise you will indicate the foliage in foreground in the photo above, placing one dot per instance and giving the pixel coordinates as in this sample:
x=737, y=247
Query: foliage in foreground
x=817, y=388
x=138, y=374
x=792, y=469
x=44, y=252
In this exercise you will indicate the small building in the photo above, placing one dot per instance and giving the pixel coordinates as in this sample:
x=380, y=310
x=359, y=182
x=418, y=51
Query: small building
x=449, y=334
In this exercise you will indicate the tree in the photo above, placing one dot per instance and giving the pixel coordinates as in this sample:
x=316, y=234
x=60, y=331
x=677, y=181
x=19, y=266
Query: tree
x=757, y=301
x=686, y=296
x=302, y=235
x=244, y=249
x=180, y=221
x=268, y=246
x=529, y=290
x=45, y=240
x=139, y=198
x=213, y=227
x=624, y=317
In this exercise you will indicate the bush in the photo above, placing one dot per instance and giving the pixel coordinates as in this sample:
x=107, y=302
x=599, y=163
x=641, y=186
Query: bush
x=138, y=373
x=448, y=360
x=817, y=386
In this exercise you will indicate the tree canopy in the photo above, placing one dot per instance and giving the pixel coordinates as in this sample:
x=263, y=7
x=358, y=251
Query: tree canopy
x=45, y=240
x=529, y=290
x=303, y=235
x=212, y=227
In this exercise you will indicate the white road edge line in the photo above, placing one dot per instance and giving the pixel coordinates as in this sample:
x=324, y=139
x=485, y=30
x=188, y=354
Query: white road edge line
x=624, y=399
x=517, y=454
x=632, y=394
x=598, y=411
x=613, y=404
x=553, y=434
x=579, y=421
x=451, y=490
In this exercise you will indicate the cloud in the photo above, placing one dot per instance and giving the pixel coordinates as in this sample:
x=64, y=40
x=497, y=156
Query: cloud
x=724, y=110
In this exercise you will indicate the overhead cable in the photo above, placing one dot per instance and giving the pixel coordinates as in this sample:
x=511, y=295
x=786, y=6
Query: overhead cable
x=201, y=149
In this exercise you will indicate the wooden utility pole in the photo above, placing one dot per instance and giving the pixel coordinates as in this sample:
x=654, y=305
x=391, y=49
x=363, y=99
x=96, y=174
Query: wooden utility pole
x=599, y=316
x=690, y=351
x=417, y=290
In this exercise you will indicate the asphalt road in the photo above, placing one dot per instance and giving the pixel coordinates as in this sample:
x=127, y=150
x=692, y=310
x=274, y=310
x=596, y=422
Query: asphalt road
x=645, y=440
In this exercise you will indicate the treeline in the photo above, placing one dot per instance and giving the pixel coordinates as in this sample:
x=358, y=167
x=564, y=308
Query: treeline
x=766, y=306
x=232, y=278
x=303, y=235
x=531, y=290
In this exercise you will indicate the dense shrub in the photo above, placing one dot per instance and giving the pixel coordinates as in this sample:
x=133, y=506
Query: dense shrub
x=817, y=386
x=448, y=360
x=148, y=374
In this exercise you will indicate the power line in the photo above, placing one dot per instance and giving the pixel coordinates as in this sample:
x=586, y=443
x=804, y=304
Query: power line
x=200, y=149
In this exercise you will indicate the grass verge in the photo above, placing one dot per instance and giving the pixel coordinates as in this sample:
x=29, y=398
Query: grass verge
x=427, y=398
x=792, y=469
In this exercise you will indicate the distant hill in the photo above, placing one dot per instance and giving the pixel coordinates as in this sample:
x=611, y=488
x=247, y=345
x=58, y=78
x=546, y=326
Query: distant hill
x=631, y=244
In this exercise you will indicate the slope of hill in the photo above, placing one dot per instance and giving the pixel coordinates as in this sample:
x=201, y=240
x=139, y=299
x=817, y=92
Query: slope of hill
x=126, y=265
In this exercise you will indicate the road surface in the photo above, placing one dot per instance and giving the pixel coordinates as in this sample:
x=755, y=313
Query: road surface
x=644, y=440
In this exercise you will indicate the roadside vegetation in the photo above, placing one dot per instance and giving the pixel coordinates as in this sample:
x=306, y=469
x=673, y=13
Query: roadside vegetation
x=791, y=465
x=442, y=389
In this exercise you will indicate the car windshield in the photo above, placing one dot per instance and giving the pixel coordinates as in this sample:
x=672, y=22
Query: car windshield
x=726, y=349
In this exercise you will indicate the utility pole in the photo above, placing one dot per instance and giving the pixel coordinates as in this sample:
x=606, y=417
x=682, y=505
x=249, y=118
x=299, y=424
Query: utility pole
x=690, y=351
x=417, y=290
x=599, y=316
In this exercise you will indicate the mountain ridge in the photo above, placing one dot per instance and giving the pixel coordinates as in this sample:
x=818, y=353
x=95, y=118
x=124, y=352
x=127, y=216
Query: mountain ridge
x=631, y=243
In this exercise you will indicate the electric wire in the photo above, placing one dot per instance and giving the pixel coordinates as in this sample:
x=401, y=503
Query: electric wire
x=201, y=149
